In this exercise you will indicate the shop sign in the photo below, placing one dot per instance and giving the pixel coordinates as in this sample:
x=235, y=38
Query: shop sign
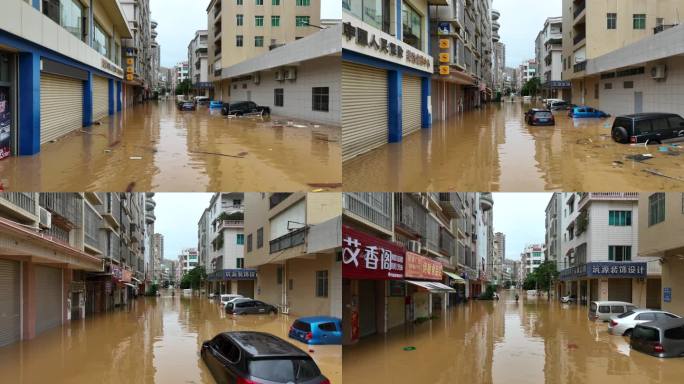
x=368, y=257
x=421, y=267
x=126, y=276
x=443, y=28
x=116, y=273
x=444, y=57
x=444, y=70
x=605, y=269
x=130, y=61
x=444, y=43
x=667, y=295
x=557, y=84
x=233, y=274
x=5, y=120
x=108, y=66
x=77, y=286
x=129, y=77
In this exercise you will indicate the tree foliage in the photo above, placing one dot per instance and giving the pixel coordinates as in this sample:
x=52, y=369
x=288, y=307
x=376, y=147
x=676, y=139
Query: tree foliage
x=532, y=87
x=184, y=87
x=542, y=277
x=194, y=278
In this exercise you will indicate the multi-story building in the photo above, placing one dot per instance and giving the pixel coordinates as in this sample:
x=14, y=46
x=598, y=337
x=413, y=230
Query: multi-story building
x=66, y=255
x=661, y=224
x=549, y=58
x=293, y=241
x=499, y=67
x=165, y=80
x=155, y=58
x=150, y=218
x=239, y=31
x=137, y=51
x=554, y=231
x=386, y=72
x=197, y=58
x=61, y=68
x=531, y=257
x=616, y=57
x=600, y=249
x=463, y=46
x=526, y=72
x=498, y=269
x=180, y=73
x=157, y=256
x=187, y=260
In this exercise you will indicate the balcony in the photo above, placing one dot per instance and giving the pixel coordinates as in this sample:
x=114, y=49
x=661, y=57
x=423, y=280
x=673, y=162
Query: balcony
x=607, y=196
x=486, y=201
x=92, y=225
x=579, y=37
x=374, y=207
x=579, y=7
x=662, y=28
x=230, y=224
x=153, y=24
x=277, y=198
x=289, y=240
x=69, y=206
x=579, y=67
x=495, y=14
x=23, y=200
x=150, y=218
x=451, y=203
x=495, y=26
x=409, y=215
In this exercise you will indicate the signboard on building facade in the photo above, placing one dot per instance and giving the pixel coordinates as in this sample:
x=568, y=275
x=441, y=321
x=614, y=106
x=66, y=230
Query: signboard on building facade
x=116, y=273
x=233, y=274
x=421, y=267
x=605, y=269
x=444, y=43
x=5, y=120
x=368, y=257
x=667, y=295
x=126, y=276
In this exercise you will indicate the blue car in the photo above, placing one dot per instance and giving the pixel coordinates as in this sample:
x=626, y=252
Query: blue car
x=317, y=330
x=586, y=112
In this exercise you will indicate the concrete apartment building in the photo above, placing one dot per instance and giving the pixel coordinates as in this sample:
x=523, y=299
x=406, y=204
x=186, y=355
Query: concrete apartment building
x=293, y=241
x=661, y=224
x=617, y=59
x=531, y=257
x=181, y=72
x=385, y=90
x=58, y=74
x=64, y=256
x=600, y=249
x=198, y=70
x=463, y=47
x=499, y=67
x=240, y=30
x=150, y=219
x=549, y=57
x=137, y=52
x=526, y=72
x=155, y=57
x=498, y=267
x=157, y=256
x=554, y=231
x=187, y=260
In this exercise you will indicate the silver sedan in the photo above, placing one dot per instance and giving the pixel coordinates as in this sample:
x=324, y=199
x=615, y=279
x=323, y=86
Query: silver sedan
x=623, y=324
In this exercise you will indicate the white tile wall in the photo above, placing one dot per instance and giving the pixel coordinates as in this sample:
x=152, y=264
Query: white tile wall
x=600, y=235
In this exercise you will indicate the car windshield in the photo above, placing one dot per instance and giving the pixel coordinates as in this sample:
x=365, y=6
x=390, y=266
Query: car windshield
x=645, y=333
x=543, y=115
x=626, y=314
x=302, y=326
x=284, y=371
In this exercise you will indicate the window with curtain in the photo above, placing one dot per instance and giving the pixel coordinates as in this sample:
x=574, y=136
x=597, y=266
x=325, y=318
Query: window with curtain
x=620, y=218
x=656, y=208
x=101, y=40
x=620, y=253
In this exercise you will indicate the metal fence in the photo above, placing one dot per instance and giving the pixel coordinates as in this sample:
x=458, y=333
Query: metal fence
x=92, y=224
x=409, y=214
x=67, y=205
x=290, y=240
x=372, y=206
x=23, y=200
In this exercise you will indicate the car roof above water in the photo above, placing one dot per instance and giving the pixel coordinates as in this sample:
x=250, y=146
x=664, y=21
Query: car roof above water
x=264, y=345
x=664, y=324
x=646, y=116
x=318, y=319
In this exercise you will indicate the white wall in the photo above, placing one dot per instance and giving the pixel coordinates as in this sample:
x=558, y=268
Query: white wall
x=231, y=249
x=600, y=235
x=295, y=213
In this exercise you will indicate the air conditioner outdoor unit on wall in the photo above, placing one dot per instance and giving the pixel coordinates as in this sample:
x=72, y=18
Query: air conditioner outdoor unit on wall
x=290, y=73
x=414, y=246
x=279, y=75
x=659, y=72
x=45, y=218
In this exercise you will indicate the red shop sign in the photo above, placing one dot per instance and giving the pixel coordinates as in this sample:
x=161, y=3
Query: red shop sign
x=421, y=267
x=368, y=257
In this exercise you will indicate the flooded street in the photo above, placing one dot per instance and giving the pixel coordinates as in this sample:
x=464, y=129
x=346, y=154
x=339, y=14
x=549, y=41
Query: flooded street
x=492, y=149
x=155, y=147
x=506, y=342
x=156, y=341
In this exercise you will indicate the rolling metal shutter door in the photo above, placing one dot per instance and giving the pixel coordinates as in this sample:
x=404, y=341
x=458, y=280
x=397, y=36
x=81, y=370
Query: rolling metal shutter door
x=620, y=290
x=367, y=325
x=10, y=319
x=61, y=106
x=364, y=109
x=100, y=97
x=48, y=298
x=410, y=109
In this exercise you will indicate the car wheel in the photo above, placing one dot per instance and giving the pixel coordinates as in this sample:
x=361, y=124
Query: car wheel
x=620, y=135
x=238, y=114
x=628, y=333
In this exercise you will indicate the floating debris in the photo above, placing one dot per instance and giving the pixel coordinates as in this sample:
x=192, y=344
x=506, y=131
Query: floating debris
x=240, y=155
x=409, y=348
x=640, y=158
x=656, y=172
x=325, y=185
x=135, y=157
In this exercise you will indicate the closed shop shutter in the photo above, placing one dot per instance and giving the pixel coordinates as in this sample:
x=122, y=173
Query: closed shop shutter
x=100, y=97
x=364, y=109
x=620, y=290
x=48, y=298
x=61, y=106
x=10, y=319
x=411, y=107
x=653, y=289
x=367, y=325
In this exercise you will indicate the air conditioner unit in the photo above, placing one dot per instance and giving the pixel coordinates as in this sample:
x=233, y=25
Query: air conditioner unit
x=256, y=78
x=659, y=72
x=45, y=218
x=290, y=73
x=414, y=246
x=279, y=75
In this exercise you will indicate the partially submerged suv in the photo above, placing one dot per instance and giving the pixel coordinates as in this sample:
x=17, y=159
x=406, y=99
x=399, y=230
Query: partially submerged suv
x=660, y=338
x=241, y=108
x=653, y=128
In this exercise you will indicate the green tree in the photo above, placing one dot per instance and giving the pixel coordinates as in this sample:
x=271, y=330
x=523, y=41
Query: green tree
x=542, y=277
x=531, y=87
x=194, y=278
x=184, y=87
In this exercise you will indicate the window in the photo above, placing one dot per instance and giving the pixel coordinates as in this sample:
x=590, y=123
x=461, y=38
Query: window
x=676, y=122
x=620, y=253
x=648, y=316
x=608, y=86
x=240, y=262
x=275, y=21
x=320, y=96
x=238, y=20
x=628, y=84
x=617, y=309
x=275, y=2
x=620, y=218
x=596, y=91
x=279, y=97
x=100, y=40
x=238, y=41
x=612, y=20
x=279, y=275
x=290, y=284
x=259, y=2
x=303, y=3
x=240, y=240
x=302, y=21
x=259, y=21
x=321, y=283
x=258, y=41
x=328, y=327
x=604, y=309
x=249, y=243
x=260, y=237
x=675, y=333
x=639, y=21
x=238, y=2
x=656, y=208
x=412, y=23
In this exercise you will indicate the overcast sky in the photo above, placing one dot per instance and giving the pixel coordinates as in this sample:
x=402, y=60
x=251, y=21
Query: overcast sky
x=521, y=217
x=521, y=21
x=177, y=216
x=179, y=19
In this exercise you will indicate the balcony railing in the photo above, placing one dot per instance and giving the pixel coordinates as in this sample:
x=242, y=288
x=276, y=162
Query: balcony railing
x=23, y=200
x=92, y=225
x=374, y=207
x=230, y=224
x=622, y=196
x=579, y=67
x=579, y=37
x=289, y=240
x=662, y=28
x=277, y=198
x=579, y=7
x=409, y=214
x=67, y=205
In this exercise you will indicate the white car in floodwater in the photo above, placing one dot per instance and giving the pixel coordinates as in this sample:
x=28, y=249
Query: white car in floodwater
x=622, y=325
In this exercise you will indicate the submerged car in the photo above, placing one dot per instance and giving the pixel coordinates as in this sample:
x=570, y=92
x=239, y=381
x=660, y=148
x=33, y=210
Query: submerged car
x=537, y=116
x=244, y=306
x=560, y=106
x=187, y=106
x=654, y=128
x=317, y=330
x=224, y=298
x=624, y=324
x=603, y=310
x=660, y=338
x=586, y=112
x=569, y=299
x=258, y=357
x=241, y=108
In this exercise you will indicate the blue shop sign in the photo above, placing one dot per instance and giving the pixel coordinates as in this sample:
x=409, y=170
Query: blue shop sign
x=667, y=295
x=605, y=269
x=233, y=274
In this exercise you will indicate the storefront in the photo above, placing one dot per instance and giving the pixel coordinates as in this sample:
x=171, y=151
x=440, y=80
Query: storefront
x=424, y=291
x=385, y=87
x=373, y=295
x=458, y=283
x=615, y=281
x=235, y=281
x=8, y=103
x=557, y=90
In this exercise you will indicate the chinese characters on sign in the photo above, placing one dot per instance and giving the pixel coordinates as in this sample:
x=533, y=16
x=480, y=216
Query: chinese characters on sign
x=368, y=257
x=421, y=267
x=233, y=274
x=605, y=269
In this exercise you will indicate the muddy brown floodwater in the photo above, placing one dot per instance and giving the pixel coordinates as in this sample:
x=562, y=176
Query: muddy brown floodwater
x=160, y=148
x=532, y=341
x=492, y=149
x=157, y=340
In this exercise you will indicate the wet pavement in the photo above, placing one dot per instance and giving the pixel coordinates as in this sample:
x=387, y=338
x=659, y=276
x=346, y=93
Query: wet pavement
x=533, y=341
x=157, y=340
x=492, y=149
x=155, y=147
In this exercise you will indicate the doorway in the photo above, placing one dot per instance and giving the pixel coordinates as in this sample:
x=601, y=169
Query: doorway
x=638, y=102
x=8, y=135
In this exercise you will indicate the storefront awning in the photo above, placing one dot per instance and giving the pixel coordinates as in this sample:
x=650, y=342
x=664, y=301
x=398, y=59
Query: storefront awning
x=136, y=280
x=432, y=286
x=459, y=279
